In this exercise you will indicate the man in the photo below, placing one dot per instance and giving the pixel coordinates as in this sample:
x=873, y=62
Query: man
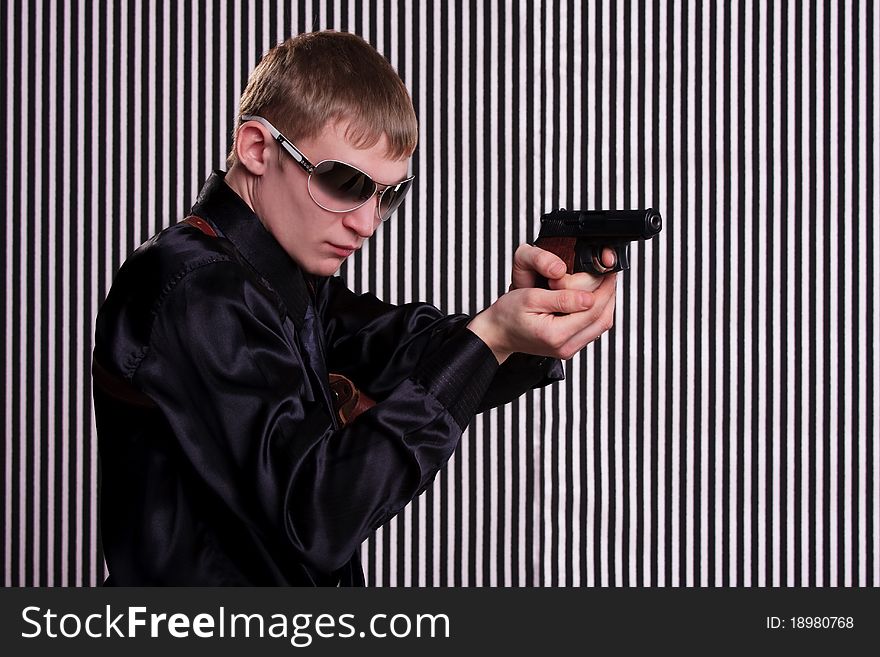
x=227, y=458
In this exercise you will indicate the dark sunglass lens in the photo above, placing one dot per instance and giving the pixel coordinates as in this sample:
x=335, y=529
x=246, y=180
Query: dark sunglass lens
x=338, y=186
x=392, y=198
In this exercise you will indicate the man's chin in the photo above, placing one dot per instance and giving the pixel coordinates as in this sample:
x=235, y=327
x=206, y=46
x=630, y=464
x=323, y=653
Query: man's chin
x=324, y=267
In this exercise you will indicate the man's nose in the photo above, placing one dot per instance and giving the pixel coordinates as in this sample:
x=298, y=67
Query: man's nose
x=364, y=220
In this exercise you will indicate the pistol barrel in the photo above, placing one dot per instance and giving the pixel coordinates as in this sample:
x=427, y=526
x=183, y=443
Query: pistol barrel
x=630, y=224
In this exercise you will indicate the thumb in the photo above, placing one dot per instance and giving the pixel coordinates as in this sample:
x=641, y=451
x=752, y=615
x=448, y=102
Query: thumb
x=534, y=258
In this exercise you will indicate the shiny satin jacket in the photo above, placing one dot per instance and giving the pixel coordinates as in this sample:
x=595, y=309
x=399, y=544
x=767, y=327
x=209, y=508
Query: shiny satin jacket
x=222, y=460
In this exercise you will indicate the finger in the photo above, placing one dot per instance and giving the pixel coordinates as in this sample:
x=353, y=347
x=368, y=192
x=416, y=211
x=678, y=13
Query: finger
x=609, y=257
x=533, y=259
x=601, y=321
x=594, y=331
x=558, y=301
x=607, y=285
x=604, y=298
x=579, y=281
x=568, y=334
x=603, y=301
x=568, y=328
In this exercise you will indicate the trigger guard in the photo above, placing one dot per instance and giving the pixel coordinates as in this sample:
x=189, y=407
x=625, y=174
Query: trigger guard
x=599, y=267
x=591, y=261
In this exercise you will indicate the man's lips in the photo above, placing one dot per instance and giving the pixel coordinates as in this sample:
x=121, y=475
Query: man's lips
x=343, y=251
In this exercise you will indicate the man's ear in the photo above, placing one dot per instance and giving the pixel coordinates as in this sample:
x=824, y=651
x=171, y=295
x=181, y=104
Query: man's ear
x=253, y=146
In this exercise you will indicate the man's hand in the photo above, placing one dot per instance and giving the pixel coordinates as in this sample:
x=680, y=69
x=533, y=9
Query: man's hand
x=530, y=263
x=528, y=320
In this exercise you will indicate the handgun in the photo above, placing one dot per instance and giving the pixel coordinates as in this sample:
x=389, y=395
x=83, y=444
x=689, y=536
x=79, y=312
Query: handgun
x=579, y=236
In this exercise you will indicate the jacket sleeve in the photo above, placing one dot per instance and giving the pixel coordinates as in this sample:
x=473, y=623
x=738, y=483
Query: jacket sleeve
x=377, y=344
x=226, y=369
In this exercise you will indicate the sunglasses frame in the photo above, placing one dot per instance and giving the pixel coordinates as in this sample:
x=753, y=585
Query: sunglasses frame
x=300, y=158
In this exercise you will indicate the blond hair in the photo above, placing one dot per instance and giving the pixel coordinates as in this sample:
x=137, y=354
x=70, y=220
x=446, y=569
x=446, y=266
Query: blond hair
x=309, y=80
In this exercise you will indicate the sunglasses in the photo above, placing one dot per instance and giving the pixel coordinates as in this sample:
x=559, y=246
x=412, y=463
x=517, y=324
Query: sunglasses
x=337, y=186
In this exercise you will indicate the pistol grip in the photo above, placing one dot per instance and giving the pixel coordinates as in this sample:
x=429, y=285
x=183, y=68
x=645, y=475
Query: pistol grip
x=589, y=258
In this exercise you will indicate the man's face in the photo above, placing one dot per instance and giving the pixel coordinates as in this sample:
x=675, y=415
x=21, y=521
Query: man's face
x=317, y=239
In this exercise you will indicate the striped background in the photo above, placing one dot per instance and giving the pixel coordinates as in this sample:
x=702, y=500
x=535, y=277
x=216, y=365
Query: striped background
x=725, y=433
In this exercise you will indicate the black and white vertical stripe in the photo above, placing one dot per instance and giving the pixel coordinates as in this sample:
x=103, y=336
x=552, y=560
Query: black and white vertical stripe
x=723, y=434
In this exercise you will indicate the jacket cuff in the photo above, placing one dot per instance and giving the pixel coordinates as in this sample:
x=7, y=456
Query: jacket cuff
x=459, y=373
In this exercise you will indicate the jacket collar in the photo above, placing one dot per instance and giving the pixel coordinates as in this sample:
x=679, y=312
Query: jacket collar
x=220, y=205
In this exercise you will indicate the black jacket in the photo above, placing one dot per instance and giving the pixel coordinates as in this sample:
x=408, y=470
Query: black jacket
x=222, y=461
